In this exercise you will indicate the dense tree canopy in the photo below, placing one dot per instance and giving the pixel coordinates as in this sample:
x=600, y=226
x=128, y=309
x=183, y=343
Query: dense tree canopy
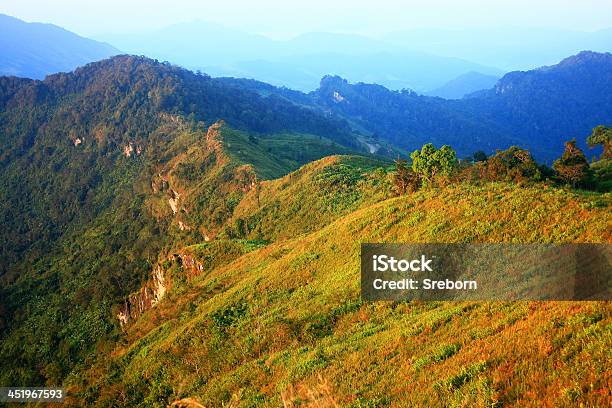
x=602, y=135
x=430, y=162
x=572, y=167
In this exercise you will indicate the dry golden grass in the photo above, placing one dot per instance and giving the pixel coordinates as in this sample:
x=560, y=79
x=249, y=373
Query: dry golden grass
x=284, y=325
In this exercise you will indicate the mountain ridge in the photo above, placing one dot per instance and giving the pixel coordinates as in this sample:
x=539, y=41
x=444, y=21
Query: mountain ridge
x=486, y=120
x=176, y=237
x=34, y=50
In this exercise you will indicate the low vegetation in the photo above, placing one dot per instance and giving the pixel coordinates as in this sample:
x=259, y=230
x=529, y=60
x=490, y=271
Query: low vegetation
x=122, y=170
x=289, y=325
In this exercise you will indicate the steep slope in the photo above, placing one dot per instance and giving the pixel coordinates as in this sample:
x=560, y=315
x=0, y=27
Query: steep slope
x=261, y=211
x=103, y=172
x=34, y=50
x=284, y=324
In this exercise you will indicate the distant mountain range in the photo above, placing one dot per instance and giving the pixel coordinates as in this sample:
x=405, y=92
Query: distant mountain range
x=464, y=84
x=298, y=63
x=536, y=109
x=422, y=60
x=406, y=70
x=34, y=50
x=441, y=63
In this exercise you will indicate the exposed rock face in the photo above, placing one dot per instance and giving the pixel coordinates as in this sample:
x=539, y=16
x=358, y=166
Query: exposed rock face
x=154, y=290
x=174, y=201
x=169, y=185
x=147, y=297
x=190, y=265
x=128, y=149
x=213, y=140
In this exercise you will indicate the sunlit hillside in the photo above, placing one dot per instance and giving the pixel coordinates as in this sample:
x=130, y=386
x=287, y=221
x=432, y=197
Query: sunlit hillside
x=282, y=322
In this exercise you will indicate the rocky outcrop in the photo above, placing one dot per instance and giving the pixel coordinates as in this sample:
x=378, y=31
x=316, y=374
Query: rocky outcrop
x=174, y=201
x=155, y=289
x=147, y=297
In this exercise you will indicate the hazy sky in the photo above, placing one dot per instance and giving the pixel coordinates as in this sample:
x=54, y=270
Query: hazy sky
x=282, y=18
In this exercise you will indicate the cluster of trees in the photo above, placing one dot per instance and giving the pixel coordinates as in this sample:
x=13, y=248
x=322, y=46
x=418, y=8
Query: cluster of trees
x=431, y=166
x=574, y=169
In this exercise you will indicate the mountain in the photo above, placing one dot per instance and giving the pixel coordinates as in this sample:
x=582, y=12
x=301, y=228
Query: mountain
x=400, y=70
x=408, y=120
x=507, y=48
x=463, y=85
x=117, y=107
x=172, y=238
x=34, y=50
x=537, y=109
x=550, y=104
x=296, y=63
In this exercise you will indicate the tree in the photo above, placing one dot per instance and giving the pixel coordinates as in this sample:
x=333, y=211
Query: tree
x=430, y=162
x=513, y=164
x=479, y=156
x=404, y=180
x=572, y=167
x=602, y=135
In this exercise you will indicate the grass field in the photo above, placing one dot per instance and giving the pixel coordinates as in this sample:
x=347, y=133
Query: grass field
x=284, y=324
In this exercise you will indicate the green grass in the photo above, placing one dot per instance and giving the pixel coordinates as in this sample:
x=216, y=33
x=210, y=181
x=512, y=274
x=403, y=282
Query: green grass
x=275, y=155
x=288, y=325
x=315, y=195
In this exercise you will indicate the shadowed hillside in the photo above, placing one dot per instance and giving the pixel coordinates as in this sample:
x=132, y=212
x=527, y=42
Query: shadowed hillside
x=537, y=110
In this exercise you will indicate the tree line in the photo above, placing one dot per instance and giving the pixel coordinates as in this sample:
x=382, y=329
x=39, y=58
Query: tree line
x=431, y=166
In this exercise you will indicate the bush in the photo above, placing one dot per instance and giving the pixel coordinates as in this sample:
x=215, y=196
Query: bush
x=514, y=164
x=573, y=167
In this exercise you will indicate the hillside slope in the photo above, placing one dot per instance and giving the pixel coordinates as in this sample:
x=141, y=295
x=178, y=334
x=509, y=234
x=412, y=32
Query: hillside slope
x=538, y=109
x=284, y=323
x=551, y=104
x=103, y=171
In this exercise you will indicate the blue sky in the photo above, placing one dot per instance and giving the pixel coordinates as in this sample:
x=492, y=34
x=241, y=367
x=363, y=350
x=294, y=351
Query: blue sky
x=285, y=18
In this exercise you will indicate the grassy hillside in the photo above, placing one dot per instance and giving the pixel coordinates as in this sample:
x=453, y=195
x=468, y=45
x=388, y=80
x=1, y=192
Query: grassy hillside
x=284, y=323
x=104, y=172
x=274, y=155
x=309, y=198
x=151, y=254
